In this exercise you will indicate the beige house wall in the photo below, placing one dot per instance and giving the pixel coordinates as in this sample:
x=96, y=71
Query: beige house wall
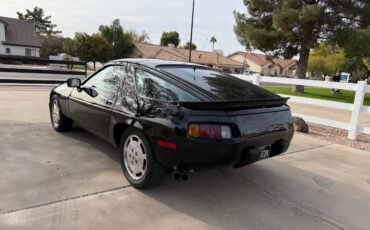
x=289, y=72
x=266, y=69
x=254, y=67
x=136, y=53
x=19, y=50
x=237, y=57
x=2, y=32
x=274, y=70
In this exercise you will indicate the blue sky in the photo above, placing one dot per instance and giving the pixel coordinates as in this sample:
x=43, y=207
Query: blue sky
x=212, y=17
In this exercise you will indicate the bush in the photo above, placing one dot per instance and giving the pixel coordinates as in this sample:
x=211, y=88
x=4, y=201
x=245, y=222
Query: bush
x=359, y=75
x=68, y=58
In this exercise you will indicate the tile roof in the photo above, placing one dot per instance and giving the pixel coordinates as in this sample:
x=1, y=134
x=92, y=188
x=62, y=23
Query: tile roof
x=20, y=32
x=261, y=59
x=165, y=55
x=284, y=62
x=179, y=54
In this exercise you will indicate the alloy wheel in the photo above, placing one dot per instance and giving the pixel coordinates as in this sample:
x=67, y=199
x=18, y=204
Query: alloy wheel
x=135, y=158
x=55, y=113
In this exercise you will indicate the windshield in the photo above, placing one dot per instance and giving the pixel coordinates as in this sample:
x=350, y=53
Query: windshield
x=225, y=87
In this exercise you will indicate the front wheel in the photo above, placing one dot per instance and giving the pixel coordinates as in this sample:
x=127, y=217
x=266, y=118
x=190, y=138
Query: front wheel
x=58, y=120
x=138, y=162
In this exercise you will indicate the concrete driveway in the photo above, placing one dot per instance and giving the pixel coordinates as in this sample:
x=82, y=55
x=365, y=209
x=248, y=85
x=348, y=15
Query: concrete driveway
x=73, y=180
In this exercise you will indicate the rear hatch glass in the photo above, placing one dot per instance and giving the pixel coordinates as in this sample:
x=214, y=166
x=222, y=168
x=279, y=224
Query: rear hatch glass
x=223, y=86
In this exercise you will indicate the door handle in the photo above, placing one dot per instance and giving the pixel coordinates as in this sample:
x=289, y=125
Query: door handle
x=109, y=102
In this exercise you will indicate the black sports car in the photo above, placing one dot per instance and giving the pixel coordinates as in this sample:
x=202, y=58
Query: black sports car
x=175, y=116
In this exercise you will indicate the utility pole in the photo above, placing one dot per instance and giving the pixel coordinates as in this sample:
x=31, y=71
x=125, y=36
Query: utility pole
x=191, y=31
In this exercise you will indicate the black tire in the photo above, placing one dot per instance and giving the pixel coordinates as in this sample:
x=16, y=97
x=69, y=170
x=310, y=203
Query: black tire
x=64, y=123
x=154, y=172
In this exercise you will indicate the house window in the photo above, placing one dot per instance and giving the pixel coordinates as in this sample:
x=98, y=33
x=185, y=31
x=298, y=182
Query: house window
x=30, y=52
x=7, y=50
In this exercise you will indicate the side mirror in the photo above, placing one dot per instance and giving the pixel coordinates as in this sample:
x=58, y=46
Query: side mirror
x=74, y=82
x=90, y=91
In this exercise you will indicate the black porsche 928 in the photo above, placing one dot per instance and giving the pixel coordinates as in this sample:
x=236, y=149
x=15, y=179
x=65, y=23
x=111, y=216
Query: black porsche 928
x=173, y=116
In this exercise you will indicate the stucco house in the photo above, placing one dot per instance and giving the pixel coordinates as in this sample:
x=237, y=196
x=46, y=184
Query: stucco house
x=18, y=38
x=212, y=59
x=258, y=63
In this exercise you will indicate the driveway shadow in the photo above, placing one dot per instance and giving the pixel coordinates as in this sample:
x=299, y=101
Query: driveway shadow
x=223, y=200
x=230, y=199
x=94, y=141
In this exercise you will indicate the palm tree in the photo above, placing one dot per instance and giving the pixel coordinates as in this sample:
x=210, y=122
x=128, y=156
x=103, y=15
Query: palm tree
x=213, y=41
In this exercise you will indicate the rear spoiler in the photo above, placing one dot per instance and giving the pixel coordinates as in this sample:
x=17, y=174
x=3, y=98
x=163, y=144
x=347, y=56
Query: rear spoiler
x=234, y=105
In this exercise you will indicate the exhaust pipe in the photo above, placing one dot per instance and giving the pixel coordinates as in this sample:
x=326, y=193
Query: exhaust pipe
x=177, y=176
x=181, y=173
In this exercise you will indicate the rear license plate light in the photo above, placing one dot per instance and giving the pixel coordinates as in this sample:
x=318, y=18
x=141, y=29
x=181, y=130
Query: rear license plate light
x=265, y=152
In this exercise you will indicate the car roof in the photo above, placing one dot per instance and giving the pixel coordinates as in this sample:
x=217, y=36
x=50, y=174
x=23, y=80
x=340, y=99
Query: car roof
x=155, y=63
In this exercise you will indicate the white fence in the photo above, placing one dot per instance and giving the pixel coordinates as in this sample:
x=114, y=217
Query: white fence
x=361, y=88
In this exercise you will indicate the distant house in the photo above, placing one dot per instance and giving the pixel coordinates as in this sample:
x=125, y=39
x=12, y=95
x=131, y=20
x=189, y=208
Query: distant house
x=18, y=38
x=258, y=63
x=212, y=59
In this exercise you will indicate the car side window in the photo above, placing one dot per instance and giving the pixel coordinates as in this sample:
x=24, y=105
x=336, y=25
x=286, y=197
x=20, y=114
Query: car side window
x=129, y=78
x=107, y=79
x=151, y=86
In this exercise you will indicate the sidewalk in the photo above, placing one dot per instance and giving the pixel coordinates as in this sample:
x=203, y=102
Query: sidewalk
x=327, y=113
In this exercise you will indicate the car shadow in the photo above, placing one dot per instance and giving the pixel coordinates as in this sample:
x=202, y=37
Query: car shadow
x=217, y=197
x=94, y=141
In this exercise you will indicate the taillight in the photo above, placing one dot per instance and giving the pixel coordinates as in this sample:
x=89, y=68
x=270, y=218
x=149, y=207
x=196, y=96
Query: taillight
x=209, y=131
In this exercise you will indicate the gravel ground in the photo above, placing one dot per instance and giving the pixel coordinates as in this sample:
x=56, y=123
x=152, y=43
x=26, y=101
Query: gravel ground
x=338, y=136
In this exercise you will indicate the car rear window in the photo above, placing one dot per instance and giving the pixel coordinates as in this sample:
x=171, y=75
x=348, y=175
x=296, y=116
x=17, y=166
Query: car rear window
x=151, y=86
x=225, y=87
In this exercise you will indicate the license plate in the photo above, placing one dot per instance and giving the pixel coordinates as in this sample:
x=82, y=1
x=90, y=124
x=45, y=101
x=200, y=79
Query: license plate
x=265, y=153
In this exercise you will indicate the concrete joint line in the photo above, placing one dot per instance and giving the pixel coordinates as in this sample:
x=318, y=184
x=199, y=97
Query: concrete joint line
x=300, y=151
x=65, y=200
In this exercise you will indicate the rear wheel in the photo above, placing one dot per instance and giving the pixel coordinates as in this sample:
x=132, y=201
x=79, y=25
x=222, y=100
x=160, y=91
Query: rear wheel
x=138, y=162
x=59, y=122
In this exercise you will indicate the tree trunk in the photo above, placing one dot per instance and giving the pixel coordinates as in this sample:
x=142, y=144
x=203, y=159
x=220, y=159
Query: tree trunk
x=302, y=67
x=94, y=65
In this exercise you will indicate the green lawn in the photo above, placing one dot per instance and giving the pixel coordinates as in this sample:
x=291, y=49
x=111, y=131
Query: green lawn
x=319, y=93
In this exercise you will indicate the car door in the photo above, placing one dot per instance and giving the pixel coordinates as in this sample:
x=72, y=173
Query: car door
x=93, y=112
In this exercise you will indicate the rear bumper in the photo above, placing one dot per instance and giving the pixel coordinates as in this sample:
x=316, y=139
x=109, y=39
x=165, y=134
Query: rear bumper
x=197, y=154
